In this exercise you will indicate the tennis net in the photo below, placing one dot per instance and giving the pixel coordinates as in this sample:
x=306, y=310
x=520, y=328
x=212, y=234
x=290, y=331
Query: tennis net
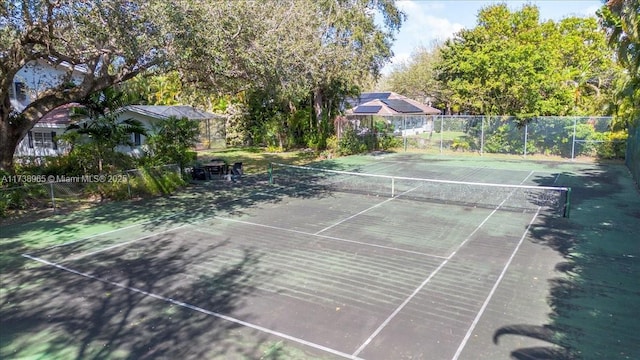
x=551, y=199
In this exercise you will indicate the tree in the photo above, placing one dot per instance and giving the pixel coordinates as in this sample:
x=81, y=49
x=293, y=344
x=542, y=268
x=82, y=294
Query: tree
x=336, y=45
x=156, y=89
x=416, y=77
x=99, y=129
x=325, y=48
x=351, y=51
x=621, y=21
x=511, y=64
x=109, y=41
x=173, y=139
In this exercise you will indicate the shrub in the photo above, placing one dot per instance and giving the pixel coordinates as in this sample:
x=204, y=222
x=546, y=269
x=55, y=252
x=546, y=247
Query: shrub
x=388, y=141
x=460, y=144
x=614, y=146
x=350, y=143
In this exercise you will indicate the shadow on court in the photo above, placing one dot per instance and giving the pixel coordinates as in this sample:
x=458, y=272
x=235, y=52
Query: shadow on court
x=596, y=294
x=194, y=204
x=53, y=312
x=48, y=311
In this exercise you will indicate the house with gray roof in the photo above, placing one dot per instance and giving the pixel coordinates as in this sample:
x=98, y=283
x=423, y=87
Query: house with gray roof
x=211, y=125
x=42, y=140
x=407, y=116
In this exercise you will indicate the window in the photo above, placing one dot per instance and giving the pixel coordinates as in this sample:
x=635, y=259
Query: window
x=137, y=139
x=44, y=140
x=12, y=92
x=20, y=91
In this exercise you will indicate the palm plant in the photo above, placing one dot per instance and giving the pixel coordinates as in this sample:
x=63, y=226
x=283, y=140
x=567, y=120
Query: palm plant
x=99, y=127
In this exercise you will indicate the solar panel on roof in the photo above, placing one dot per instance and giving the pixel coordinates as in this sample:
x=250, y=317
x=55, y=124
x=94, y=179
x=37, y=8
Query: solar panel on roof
x=367, y=109
x=401, y=106
x=366, y=97
x=376, y=95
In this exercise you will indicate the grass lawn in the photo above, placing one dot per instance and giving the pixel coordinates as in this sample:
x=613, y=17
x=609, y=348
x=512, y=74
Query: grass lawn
x=255, y=160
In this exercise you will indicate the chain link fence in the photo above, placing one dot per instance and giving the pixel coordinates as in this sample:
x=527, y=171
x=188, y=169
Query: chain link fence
x=567, y=137
x=633, y=152
x=56, y=192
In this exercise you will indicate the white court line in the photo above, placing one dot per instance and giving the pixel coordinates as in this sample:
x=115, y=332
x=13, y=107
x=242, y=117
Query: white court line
x=324, y=237
x=365, y=210
x=124, y=243
x=493, y=290
x=398, y=309
x=168, y=217
x=424, y=283
x=196, y=308
x=352, y=216
x=486, y=219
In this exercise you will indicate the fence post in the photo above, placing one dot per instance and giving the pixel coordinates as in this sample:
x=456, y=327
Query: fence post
x=404, y=132
x=482, y=135
x=526, y=129
x=441, y=130
x=128, y=184
x=53, y=198
x=270, y=171
x=573, y=142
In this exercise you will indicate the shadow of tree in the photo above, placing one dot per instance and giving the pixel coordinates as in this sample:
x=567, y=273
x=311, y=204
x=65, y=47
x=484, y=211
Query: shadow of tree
x=104, y=310
x=105, y=305
x=594, y=300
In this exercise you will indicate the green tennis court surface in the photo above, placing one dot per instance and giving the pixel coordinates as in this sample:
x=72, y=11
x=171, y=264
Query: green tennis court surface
x=311, y=271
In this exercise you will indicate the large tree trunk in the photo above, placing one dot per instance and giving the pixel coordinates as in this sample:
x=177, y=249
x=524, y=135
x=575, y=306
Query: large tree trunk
x=318, y=109
x=14, y=128
x=9, y=141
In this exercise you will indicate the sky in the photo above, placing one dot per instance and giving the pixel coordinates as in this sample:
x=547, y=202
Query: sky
x=429, y=20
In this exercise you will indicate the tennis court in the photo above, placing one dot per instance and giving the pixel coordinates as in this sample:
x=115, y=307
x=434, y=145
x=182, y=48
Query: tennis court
x=331, y=263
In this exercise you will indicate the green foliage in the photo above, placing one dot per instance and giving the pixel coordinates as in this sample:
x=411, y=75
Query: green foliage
x=237, y=125
x=350, y=143
x=19, y=196
x=172, y=141
x=613, y=146
x=162, y=89
x=144, y=182
x=621, y=20
x=98, y=130
x=387, y=142
x=511, y=64
x=461, y=143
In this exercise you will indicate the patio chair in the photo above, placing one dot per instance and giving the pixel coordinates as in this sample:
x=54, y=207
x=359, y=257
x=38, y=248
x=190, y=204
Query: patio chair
x=236, y=171
x=198, y=173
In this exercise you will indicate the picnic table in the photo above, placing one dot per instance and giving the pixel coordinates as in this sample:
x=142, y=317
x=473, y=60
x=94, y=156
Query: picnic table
x=216, y=167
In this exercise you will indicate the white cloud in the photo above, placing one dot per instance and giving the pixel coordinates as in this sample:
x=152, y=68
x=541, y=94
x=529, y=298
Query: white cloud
x=591, y=11
x=423, y=25
x=397, y=59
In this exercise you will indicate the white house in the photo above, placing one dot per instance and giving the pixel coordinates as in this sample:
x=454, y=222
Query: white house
x=211, y=125
x=41, y=140
x=31, y=80
x=37, y=76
